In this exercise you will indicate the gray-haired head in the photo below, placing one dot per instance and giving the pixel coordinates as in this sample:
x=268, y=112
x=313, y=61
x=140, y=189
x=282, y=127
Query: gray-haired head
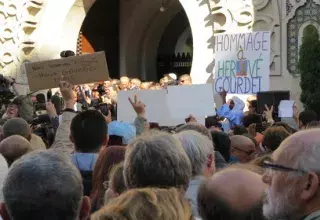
x=14, y=147
x=298, y=189
x=43, y=185
x=198, y=148
x=156, y=160
x=194, y=126
x=3, y=174
x=17, y=126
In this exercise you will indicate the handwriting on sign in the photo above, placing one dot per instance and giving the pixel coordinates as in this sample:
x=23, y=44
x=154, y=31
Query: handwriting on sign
x=35, y=68
x=228, y=68
x=242, y=63
x=257, y=41
x=58, y=65
x=76, y=70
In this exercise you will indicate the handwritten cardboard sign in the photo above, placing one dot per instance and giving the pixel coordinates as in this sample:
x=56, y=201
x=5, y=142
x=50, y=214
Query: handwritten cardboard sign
x=242, y=62
x=76, y=70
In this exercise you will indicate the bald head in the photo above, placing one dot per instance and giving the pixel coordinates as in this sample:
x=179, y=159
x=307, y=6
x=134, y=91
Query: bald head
x=14, y=147
x=240, y=198
x=136, y=83
x=17, y=126
x=244, y=189
x=242, y=148
x=242, y=142
x=124, y=83
x=299, y=149
x=293, y=196
x=145, y=86
x=124, y=79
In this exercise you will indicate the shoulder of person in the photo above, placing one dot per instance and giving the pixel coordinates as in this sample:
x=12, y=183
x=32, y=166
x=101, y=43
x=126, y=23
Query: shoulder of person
x=37, y=142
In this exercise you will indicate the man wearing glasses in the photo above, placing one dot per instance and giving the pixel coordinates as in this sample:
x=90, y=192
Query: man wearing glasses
x=293, y=179
x=242, y=149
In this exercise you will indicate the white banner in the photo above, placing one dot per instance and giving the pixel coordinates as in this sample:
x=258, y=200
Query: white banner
x=171, y=106
x=242, y=62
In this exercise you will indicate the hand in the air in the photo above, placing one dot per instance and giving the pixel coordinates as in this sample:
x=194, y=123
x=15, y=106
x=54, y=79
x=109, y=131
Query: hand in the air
x=138, y=106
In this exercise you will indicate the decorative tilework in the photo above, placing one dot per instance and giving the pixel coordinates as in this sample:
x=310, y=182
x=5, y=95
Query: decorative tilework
x=308, y=12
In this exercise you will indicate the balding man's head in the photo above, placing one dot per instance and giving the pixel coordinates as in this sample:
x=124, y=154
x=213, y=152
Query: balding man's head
x=185, y=80
x=124, y=79
x=135, y=83
x=14, y=147
x=239, y=199
x=294, y=188
x=124, y=83
x=17, y=126
x=242, y=148
x=145, y=86
x=303, y=142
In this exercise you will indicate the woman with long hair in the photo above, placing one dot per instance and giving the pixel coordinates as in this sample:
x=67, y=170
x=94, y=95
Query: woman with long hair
x=147, y=204
x=108, y=157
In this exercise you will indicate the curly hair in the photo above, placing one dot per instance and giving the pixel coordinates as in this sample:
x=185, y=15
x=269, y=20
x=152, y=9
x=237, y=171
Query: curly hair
x=274, y=136
x=145, y=204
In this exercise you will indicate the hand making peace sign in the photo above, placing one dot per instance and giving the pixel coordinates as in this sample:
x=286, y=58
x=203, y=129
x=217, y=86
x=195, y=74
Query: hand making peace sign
x=138, y=106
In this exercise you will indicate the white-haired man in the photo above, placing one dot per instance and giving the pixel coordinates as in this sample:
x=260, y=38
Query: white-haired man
x=200, y=151
x=293, y=179
x=156, y=160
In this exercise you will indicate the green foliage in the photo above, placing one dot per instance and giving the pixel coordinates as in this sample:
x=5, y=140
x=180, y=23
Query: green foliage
x=309, y=69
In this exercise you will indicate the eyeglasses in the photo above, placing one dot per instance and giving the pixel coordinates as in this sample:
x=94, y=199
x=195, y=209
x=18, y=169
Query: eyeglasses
x=271, y=166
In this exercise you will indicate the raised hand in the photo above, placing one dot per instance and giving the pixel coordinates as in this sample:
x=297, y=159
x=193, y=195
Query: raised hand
x=51, y=110
x=67, y=93
x=190, y=119
x=268, y=113
x=138, y=106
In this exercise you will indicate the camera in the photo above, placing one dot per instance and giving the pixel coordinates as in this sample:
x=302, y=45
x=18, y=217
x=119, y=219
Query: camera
x=104, y=108
x=101, y=89
x=98, y=103
x=40, y=104
x=67, y=53
x=43, y=127
x=5, y=93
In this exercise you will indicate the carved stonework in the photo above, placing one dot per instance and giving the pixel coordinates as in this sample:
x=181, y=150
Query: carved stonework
x=267, y=17
x=18, y=21
x=310, y=12
x=293, y=6
x=289, y=7
x=232, y=16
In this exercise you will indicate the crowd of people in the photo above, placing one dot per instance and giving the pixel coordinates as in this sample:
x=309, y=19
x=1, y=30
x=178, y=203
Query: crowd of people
x=108, y=90
x=237, y=166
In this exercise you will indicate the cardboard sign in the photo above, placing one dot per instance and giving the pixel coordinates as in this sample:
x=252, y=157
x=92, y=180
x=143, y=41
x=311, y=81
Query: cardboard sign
x=242, y=62
x=169, y=107
x=76, y=70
